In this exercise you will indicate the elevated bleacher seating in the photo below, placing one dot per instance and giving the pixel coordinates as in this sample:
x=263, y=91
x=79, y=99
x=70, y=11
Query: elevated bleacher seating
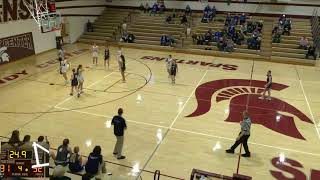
x=288, y=48
x=148, y=30
x=105, y=27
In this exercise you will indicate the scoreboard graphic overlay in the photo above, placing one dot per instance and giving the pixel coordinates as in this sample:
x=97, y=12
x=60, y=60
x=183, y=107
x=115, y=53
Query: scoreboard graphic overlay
x=17, y=161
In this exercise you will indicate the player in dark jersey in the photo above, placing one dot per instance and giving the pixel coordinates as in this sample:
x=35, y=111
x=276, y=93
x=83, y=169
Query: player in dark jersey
x=267, y=87
x=74, y=81
x=107, y=56
x=122, y=67
x=173, y=71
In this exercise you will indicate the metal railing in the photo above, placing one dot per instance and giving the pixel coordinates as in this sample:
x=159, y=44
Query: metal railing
x=315, y=27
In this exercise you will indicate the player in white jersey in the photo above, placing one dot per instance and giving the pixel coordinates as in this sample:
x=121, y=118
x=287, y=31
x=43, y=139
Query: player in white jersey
x=95, y=53
x=168, y=65
x=63, y=69
x=61, y=58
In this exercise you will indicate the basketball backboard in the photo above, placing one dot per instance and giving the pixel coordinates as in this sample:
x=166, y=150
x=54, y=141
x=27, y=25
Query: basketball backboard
x=44, y=13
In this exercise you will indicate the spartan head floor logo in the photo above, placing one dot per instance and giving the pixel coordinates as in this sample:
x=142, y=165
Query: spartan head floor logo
x=4, y=56
x=242, y=93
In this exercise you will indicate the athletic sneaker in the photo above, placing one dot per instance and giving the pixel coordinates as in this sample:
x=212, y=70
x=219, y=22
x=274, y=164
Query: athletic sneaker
x=246, y=155
x=230, y=151
x=121, y=157
x=269, y=98
x=261, y=97
x=78, y=95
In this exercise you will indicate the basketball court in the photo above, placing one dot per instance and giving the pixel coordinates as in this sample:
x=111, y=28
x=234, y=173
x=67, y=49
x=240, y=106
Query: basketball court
x=166, y=129
x=171, y=128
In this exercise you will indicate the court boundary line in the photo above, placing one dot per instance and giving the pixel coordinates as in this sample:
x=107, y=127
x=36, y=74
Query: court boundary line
x=171, y=125
x=197, y=133
x=49, y=68
x=308, y=104
x=310, y=111
x=92, y=84
x=110, y=117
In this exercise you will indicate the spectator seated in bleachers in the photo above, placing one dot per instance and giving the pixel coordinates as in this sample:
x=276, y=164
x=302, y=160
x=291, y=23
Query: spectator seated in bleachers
x=217, y=36
x=58, y=173
x=275, y=30
x=229, y=46
x=228, y=19
x=154, y=9
x=200, y=39
x=131, y=38
x=286, y=31
x=75, y=162
x=207, y=8
x=184, y=19
x=222, y=44
x=282, y=19
x=259, y=26
x=164, y=40
x=205, y=17
x=124, y=37
x=276, y=37
x=169, y=19
x=251, y=26
x=194, y=38
x=242, y=19
x=254, y=43
x=208, y=14
x=146, y=8
x=231, y=31
x=238, y=37
x=214, y=11
x=95, y=164
x=256, y=33
x=63, y=153
x=188, y=10
x=287, y=23
x=207, y=38
x=235, y=20
x=311, y=52
x=303, y=44
x=89, y=26
x=171, y=41
x=141, y=7
x=162, y=8
x=286, y=27
x=243, y=29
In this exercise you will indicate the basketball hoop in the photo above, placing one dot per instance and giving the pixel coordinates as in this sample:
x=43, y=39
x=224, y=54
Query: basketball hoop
x=45, y=14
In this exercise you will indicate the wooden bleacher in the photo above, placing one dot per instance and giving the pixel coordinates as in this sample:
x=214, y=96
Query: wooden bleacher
x=288, y=48
x=106, y=27
x=148, y=30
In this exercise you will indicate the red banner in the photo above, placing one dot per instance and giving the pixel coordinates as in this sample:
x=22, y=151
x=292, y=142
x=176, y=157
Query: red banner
x=16, y=47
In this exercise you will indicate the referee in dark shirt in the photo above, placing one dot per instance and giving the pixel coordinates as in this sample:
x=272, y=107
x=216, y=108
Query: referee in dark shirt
x=243, y=136
x=120, y=125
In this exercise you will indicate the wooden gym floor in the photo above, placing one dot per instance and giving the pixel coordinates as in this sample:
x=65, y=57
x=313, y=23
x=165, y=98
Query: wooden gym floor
x=170, y=128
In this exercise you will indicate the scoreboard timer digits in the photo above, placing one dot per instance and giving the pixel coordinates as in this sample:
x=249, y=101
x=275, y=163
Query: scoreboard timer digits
x=24, y=163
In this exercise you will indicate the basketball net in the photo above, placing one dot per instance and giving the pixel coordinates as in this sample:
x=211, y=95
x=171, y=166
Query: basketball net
x=47, y=18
